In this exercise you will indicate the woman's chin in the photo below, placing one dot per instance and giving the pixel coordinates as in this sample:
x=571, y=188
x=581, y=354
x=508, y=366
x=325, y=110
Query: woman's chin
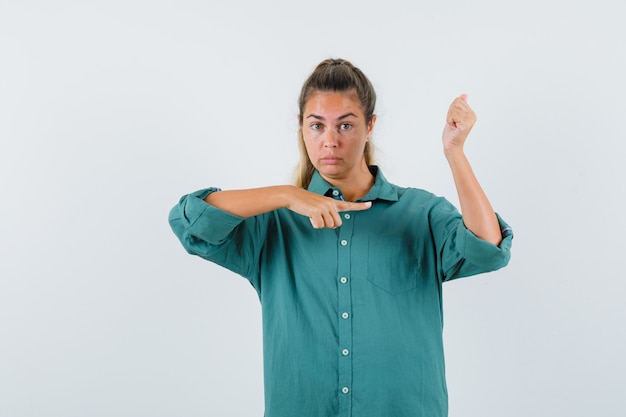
x=331, y=171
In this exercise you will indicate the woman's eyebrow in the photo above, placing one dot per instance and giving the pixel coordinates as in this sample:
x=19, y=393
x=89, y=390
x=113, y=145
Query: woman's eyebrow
x=348, y=115
x=315, y=116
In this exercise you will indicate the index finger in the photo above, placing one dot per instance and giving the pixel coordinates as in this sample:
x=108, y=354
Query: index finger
x=352, y=206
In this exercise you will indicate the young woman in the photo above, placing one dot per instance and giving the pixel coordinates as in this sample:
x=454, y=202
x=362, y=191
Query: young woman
x=349, y=267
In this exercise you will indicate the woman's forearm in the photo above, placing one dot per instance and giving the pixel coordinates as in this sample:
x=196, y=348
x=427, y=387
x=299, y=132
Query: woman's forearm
x=478, y=215
x=322, y=211
x=251, y=202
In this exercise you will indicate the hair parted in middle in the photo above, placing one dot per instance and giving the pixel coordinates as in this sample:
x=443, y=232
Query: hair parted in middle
x=334, y=75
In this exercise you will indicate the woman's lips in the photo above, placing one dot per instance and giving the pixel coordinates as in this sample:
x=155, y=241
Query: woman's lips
x=331, y=160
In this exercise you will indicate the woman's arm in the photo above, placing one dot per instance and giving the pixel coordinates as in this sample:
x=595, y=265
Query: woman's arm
x=251, y=202
x=478, y=215
x=322, y=211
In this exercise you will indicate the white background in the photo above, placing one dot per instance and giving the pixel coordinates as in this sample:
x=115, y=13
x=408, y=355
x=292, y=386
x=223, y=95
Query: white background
x=110, y=111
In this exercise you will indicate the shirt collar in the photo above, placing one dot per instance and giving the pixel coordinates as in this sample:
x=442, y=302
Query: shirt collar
x=381, y=190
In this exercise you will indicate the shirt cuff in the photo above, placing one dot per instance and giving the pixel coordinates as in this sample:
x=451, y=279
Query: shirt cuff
x=207, y=222
x=482, y=253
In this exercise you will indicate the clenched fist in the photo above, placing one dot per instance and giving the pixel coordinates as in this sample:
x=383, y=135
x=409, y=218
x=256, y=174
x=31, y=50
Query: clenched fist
x=459, y=122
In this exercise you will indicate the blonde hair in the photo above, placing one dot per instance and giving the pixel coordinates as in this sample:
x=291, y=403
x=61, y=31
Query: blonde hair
x=337, y=75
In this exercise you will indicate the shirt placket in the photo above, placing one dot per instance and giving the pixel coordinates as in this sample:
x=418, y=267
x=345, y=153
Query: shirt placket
x=344, y=244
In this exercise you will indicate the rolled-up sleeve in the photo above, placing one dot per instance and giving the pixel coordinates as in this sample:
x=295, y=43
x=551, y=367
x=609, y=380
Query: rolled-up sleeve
x=483, y=254
x=218, y=236
x=461, y=253
x=193, y=217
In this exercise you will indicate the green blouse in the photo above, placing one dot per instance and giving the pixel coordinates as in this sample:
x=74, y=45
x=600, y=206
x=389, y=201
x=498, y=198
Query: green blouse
x=352, y=316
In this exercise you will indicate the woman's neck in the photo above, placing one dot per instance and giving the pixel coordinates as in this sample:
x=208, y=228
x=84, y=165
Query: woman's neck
x=356, y=186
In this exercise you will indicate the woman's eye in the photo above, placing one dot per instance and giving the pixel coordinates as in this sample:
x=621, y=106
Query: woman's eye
x=316, y=126
x=345, y=126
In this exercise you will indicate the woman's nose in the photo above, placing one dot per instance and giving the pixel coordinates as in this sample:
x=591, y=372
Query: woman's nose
x=330, y=139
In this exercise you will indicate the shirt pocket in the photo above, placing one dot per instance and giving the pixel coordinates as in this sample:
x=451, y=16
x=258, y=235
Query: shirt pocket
x=392, y=266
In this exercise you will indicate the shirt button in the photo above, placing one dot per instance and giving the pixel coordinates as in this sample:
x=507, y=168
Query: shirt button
x=344, y=243
x=346, y=216
x=343, y=280
x=345, y=315
x=345, y=390
x=335, y=193
x=345, y=352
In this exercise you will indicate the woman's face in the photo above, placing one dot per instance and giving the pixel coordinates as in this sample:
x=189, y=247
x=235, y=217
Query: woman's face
x=335, y=133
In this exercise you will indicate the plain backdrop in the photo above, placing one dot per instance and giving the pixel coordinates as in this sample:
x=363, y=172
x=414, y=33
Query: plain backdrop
x=110, y=111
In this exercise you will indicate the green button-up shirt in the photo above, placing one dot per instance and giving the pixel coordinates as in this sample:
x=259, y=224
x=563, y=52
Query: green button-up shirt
x=352, y=316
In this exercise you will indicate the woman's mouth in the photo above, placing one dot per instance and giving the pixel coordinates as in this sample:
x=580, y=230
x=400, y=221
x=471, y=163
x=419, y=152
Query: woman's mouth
x=330, y=160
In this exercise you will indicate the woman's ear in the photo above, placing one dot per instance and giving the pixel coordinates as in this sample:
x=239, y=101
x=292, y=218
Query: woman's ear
x=370, y=125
